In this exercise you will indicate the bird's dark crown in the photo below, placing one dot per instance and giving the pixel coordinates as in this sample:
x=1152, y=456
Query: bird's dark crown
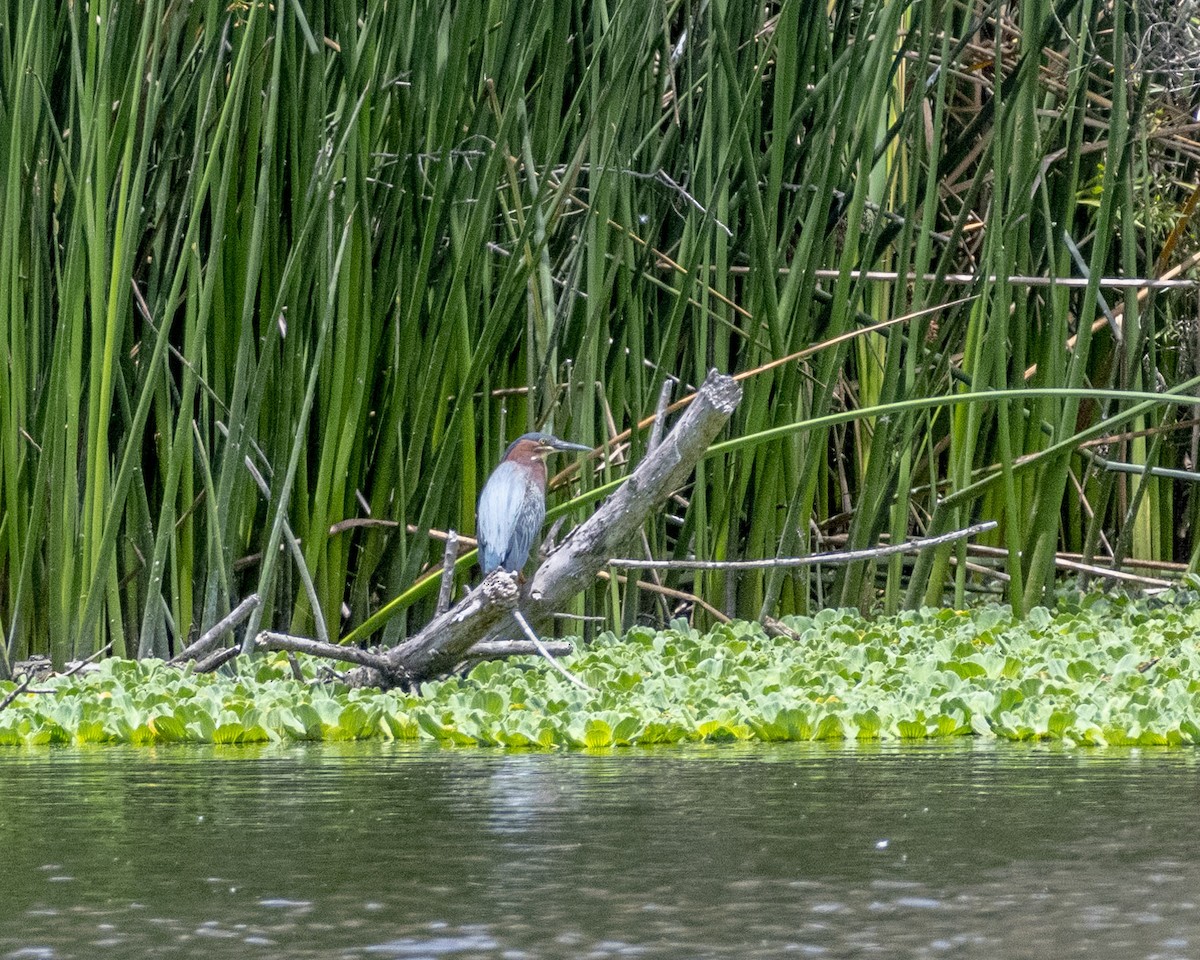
x=539, y=446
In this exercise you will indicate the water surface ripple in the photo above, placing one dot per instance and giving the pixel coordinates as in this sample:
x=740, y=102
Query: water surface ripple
x=379, y=851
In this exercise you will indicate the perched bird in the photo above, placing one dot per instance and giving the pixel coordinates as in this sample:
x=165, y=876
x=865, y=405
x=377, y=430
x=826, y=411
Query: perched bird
x=513, y=503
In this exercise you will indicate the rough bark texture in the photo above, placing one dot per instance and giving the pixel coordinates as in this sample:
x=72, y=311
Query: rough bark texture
x=483, y=615
x=447, y=639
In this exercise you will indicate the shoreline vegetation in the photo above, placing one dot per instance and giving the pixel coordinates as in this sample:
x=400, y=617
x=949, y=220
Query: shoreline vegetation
x=280, y=282
x=1096, y=671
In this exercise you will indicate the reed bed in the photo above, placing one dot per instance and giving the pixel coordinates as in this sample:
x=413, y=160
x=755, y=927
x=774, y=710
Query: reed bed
x=278, y=283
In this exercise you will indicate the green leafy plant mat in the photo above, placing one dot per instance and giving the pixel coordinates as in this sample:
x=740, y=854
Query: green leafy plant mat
x=1104, y=671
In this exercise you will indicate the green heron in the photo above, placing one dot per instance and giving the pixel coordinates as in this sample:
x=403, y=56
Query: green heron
x=513, y=503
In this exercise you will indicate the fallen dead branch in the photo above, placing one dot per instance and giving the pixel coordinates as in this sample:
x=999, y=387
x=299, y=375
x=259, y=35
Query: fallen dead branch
x=447, y=640
x=210, y=637
x=502, y=649
x=269, y=640
x=814, y=559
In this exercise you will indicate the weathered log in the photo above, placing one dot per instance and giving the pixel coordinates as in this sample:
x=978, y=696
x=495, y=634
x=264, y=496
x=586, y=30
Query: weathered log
x=483, y=614
x=503, y=649
x=447, y=639
x=574, y=565
x=211, y=637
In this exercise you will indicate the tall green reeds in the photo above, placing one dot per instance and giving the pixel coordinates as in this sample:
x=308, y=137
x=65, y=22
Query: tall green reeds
x=349, y=250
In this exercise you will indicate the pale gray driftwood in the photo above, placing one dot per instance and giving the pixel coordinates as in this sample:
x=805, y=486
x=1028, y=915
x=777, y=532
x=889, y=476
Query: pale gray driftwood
x=574, y=565
x=447, y=639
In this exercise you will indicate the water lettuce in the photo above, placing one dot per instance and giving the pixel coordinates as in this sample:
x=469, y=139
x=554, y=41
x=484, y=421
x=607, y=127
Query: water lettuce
x=1101, y=671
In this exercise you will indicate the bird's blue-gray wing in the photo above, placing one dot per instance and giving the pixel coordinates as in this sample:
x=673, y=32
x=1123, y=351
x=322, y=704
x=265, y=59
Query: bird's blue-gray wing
x=496, y=517
x=530, y=515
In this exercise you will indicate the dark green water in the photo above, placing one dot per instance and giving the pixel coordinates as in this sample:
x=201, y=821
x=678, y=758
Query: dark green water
x=370, y=851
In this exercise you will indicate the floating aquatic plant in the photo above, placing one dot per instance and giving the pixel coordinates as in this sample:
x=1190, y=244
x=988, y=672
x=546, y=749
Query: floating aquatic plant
x=1104, y=671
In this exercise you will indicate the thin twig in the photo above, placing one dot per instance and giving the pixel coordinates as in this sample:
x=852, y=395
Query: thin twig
x=656, y=435
x=671, y=592
x=464, y=542
x=351, y=522
x=144, y=309
x=664, y=178
x=1167, y=566
x=500, y=649
x=317, y=648
x=616, y=453
x=660, y=416
x=1115, y=283
x=1064, y=557
x=218, y=659
x=847, y=556
x=1143, y=292
x=541, y=648
x=17, y=690
x=1111, y=573
x=653, y=573
x=1113, y=323
x=550, y=540
x=1064, y=562
x=448, y=558
x=94, y=657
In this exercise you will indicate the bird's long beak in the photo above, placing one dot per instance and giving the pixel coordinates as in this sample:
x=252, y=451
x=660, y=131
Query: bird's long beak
x=563, y=445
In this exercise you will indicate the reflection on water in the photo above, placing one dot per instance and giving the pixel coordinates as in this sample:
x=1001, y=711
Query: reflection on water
x=379, y=851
